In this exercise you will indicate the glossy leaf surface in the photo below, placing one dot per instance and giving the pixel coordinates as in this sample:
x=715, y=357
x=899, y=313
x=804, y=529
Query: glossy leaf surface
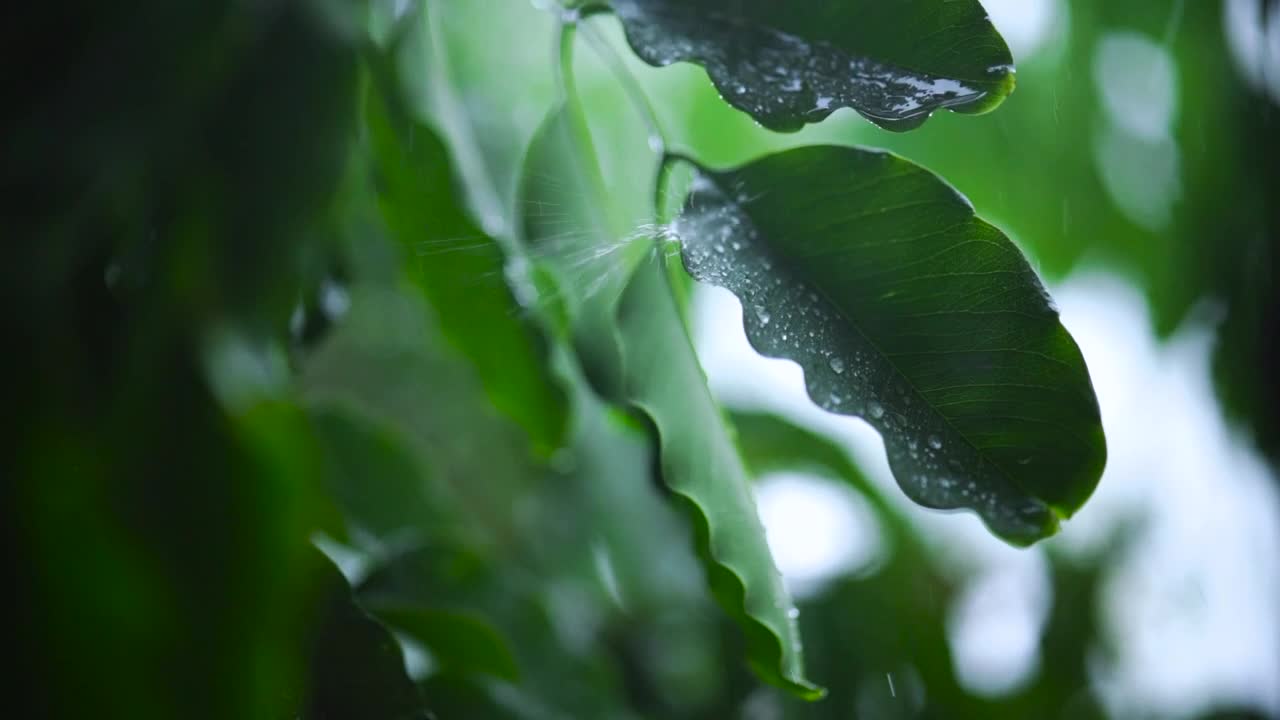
x=700, y=463
x=905, y=309
x=792, y=63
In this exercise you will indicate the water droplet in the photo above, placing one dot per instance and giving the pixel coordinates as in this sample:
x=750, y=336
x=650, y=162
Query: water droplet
x=875, y=409
x=763, y=314
x=836, y=399
x=935, y=442
x=793, y=613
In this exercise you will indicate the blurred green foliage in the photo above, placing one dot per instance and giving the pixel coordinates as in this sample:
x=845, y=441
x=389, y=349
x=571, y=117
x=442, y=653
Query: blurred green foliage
x=246, y=295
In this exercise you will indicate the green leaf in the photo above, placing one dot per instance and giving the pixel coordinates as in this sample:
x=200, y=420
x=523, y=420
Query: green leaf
x=567, y=212
x=770, y=443
x=462, y=271
x=356, y=666
x=700, y=463
x=436, y=407
x=905, y=309
x=791, y=63
x=461, y=642
x=574, y=230
x=379, y=486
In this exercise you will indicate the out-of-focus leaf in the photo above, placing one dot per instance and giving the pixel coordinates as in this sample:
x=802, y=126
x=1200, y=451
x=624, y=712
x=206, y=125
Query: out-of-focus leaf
x=460, y=642
x=769, y=443
x=574, y=229
x=911, y=590
x=380, y=487
x=436, y=407
x=701, y=465
x=791, y=63
x=461, y=270
x=905, y=309
x=356, y=666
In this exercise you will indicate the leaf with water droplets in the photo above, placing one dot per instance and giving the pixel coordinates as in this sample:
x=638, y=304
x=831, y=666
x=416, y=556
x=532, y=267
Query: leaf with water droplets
x=701, y=465
x=792, y=63
x=915, y=315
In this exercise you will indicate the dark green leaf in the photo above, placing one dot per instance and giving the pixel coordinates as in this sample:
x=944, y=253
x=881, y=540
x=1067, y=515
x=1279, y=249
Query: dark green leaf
x=461, y=642
x=905, y=309
x=356, y=669
x=791, y=63
x=701, y=465
x=462, y=272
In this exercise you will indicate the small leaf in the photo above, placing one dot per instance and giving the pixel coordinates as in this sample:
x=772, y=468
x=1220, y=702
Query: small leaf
x=700, y=463
x=575, y=231
x=461, y=642
x=462, y=272
x=356, y=666
x=770, y=443
x=796, y=62
x=631, y=339
x=905, y=309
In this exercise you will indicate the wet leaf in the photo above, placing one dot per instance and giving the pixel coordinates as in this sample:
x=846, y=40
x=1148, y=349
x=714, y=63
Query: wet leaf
x=701, y=465
x=356, y=666
x=905, y=309
x=792, y=63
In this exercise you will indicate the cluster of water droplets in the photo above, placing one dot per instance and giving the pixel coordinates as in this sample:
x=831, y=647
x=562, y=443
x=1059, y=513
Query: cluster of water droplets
x=783, y=80
x=786, y=317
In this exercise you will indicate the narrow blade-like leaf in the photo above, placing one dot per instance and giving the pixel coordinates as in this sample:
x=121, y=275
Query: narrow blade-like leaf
x=905, y=309
x=700, y=463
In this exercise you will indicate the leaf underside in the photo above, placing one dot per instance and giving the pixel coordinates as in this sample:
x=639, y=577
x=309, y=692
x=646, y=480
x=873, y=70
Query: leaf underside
x=905, y=309
x=792, y=63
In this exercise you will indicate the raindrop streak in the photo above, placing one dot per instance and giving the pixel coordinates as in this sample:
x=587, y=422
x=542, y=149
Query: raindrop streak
x=889, y=677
